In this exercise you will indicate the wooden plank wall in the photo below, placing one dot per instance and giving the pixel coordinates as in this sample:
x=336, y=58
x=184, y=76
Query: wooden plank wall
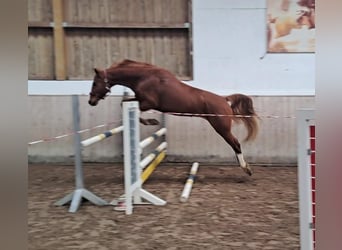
x=40, y=54
x=40, y=40
x=100, y=48
x=126, y=11
x=39, y=11
x=99, y=33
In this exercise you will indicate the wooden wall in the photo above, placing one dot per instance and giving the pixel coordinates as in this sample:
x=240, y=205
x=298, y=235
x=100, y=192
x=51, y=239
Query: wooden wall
x=67, y=39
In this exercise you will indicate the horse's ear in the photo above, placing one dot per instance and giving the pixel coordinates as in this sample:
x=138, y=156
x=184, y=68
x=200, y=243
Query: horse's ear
x=97, y=71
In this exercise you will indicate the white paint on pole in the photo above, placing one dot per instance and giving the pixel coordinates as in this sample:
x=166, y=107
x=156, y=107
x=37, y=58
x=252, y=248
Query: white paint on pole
x=102, y=136
x=151, y=156
x=153, y=137
x=188, y=185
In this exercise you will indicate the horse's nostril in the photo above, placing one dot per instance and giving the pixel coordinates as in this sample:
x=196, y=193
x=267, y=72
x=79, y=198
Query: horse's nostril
x=92, y=102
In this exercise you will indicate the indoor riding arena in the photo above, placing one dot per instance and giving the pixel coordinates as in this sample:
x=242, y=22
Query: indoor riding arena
x=138, y=115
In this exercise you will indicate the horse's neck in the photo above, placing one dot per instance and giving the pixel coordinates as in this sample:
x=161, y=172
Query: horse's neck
x=125, y=77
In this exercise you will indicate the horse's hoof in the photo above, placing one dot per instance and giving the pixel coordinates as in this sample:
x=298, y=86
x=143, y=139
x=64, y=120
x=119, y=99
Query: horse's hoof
x=248, y=170
x=149, y=121
x=152, y=122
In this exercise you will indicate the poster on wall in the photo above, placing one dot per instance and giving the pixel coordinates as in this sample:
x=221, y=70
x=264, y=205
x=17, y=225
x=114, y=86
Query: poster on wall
x=290, y=26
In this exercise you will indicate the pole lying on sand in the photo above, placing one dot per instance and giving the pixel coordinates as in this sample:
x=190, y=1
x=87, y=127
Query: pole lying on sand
x=188, y=185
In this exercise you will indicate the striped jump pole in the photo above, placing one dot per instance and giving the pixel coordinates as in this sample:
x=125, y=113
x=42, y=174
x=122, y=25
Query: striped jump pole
x=153, y=155
x=101, y=136
x=188, y=185
x=150, y=163
x=152, y=138
x=152, y=166
x=152, y=160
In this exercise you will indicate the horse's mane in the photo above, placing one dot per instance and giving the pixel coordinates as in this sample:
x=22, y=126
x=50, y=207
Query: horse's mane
x=128, y=63
x=135, y=66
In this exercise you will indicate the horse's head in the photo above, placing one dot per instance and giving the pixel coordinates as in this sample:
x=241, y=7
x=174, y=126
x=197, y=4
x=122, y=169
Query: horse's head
x=100, y=88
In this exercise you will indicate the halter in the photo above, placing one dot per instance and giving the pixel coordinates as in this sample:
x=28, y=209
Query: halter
x=106, y=81
x=107, y=87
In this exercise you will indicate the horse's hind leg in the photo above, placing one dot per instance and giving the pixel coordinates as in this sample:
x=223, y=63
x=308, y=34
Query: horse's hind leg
x=234, y=143
x=222, y=127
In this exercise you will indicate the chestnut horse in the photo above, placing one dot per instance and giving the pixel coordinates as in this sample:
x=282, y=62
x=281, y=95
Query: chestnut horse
x=156, y=88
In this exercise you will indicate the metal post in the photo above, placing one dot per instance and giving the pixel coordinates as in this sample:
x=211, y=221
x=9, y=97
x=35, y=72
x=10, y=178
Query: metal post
x=80, y=192
x=77, y=143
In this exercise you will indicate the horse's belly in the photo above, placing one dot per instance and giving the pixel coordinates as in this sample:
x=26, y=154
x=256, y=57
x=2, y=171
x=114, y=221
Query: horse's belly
x=187, y=103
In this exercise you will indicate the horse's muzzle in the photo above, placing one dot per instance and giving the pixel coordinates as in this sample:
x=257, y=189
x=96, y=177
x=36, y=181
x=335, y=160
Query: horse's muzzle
x=93, y=101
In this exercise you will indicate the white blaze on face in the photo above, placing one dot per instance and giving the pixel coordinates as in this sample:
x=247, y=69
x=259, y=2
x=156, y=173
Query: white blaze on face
x=241, y=160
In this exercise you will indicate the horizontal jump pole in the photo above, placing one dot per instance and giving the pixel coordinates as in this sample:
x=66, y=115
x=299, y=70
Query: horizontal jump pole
x=188, y=185
x=153, y=155
x=153, y=137
x=150, y=168
x=102, y=136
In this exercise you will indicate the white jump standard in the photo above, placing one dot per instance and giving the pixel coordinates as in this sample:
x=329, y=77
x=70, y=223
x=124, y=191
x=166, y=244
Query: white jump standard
x=306, y=177
x=134, y=193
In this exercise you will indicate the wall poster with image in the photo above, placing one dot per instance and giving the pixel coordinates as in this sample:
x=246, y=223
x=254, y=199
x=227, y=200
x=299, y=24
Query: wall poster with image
x=290, y=26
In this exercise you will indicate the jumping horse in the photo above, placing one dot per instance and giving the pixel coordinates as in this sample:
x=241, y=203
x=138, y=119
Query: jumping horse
x=157, y=89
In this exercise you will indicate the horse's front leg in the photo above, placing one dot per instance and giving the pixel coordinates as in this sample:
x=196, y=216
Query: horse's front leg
x=142, y=108
x=149, y=121
x=128, y=99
